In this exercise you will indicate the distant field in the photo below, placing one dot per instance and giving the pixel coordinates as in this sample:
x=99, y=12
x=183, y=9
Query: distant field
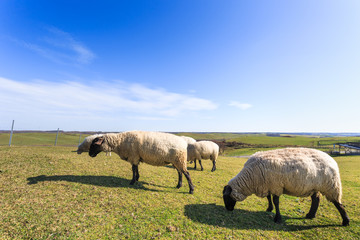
x=263, y=139
x=72, y=139
x=253, y=142
x=41, y=138
x=53, y=193
x=263, y=142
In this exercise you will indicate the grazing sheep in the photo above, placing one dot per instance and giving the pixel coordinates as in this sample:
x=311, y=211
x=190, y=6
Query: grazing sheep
x=188, y=139
x=154, y=148
x=203, y=150
x=85, y=145
x=300, y=172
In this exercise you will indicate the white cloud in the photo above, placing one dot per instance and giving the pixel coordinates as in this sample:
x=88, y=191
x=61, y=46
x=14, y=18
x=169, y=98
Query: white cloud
x=242, y=106
x=74, y=99
x=149, y=118
x=65, y=41
x=59, y=47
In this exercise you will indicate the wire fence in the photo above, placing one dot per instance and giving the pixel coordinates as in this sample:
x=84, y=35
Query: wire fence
x=38, y=138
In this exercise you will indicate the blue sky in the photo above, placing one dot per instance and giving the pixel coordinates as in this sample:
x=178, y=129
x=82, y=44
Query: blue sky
x=200, y=65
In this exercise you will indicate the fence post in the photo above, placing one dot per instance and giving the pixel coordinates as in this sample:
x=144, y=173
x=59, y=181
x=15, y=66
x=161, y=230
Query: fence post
x=79, y=139
x=57, y=134
x=11, y=134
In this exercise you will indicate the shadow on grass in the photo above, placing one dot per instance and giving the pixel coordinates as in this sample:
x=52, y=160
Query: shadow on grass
x=216, y=215
x=104, y=181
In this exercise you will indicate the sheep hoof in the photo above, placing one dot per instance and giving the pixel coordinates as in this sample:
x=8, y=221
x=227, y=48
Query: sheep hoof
x=191, y=191
x=277, y=219
x=346, y=222
x=310, y=216
x=132, y=182
x=269, y=209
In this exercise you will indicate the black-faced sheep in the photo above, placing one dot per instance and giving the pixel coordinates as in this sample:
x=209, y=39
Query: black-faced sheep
x=203, y=150
x=85, y=145
x=298, y=172
x=154, y=148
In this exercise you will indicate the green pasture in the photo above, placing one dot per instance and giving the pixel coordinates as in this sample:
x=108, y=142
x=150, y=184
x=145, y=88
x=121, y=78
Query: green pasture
x=257, y=140
x=262, y=142
x=282, y=140
x=42, y=139
x=53, y=193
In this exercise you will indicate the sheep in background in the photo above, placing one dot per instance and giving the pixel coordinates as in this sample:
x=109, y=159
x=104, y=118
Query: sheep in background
x=85, y=145
x=298, y=172
x=154, y=148
x=188, y=139
x=203, y=150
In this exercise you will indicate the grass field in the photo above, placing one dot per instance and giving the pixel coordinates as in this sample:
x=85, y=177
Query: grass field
x=72, y=139
x=53, y=193
x=41, y=139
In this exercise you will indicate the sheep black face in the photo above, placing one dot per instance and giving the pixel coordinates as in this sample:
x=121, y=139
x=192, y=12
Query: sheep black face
x=95, y=147
x=228, y=200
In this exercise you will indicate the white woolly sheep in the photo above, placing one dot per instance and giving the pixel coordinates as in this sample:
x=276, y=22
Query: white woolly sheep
x=154, y=148
x=300, y=172
x=203, y=150
x=85, y=145
x=188, y=139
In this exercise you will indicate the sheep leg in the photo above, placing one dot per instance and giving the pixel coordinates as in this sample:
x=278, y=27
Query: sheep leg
x=137, y=173
x=214, y=166
x=195, y=164
x=315, y=200
x=188, y=178
x=270, y=208
x=180, y=179
x=342, y=212
x=136, y=176
x=277, y=218
x=202, y=169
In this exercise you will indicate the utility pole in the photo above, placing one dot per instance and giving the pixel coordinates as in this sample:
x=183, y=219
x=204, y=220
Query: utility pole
x=57, y=134
x=79, y=139
x=11, y=134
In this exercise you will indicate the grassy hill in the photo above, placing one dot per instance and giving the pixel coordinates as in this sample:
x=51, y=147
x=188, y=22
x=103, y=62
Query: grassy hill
x=53, y=193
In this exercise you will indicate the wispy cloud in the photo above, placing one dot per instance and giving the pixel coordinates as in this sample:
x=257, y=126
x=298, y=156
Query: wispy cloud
x=73, y=99
x=59, y=47
x=65, y=41
x=242, y=106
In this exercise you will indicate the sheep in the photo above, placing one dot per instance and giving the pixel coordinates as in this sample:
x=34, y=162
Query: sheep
x=300, y=172
x=188, y=139
x=85, y=145
x=203, y=150
x=154, y=148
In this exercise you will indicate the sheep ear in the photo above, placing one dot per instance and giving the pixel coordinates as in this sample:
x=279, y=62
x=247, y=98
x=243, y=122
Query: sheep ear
x=98, y=141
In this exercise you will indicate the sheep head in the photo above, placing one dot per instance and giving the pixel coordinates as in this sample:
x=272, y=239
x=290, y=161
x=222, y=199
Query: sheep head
x=96, y=146
x=228, y=200
x=79, y=150
x=83, y=147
